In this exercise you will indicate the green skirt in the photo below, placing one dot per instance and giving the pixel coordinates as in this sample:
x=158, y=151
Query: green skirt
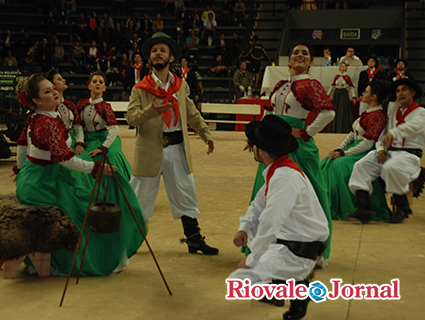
x=94, y=140
x=307, y=158
x=55, y=185
x=337, y=174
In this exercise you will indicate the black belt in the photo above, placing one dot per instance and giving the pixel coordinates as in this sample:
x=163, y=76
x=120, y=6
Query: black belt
x=309, y=250
x=416, y=152
x=170, y=138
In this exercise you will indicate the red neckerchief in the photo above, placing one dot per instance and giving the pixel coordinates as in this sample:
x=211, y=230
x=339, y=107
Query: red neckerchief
x=400, y=117
x=183, y=73
x=402, y=73
x=375, y=71
x=283, y=161
x=138, y=68
x=148, y=85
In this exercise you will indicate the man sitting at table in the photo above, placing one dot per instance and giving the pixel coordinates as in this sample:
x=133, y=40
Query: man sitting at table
x=242, y=80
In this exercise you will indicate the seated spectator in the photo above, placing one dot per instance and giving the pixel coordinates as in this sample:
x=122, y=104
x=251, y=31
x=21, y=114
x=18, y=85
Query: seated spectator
x=239, y=10
x=226, y=12
x=8, y=41
x=196, y=12
x=94, y=24
x=119, y=37
x=32, y=51
x=146, y=27
x=44, y=55
x=92, y=53
x=82, y=27
x=107, y=33
x=58, y=54
x=234, y=48
x=105, y=50
x=197, y=25
x=209, y=30
x=242, y=79
x=10, y=60
x=102, y=64
x=185, y=20
x=168, y=7
x=113, y=73
x=220, y=46
x=77, y=56
x=108, y=19
x=29, y=61
x=68, y=7
x=132, y=28
x=157, y=24
x=23, y=46
x=205, y=14
x=134, y=39
x=135, y=49
x=178, y=4
x=192, y=47
x=349, y=56
x=50, y=23
x=219, y=69
x=124, y=66
x=327, y=55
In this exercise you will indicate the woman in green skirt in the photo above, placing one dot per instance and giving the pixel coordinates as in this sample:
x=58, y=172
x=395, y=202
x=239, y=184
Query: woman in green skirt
x=337, y=167
x=49, y=176
x=293, y=100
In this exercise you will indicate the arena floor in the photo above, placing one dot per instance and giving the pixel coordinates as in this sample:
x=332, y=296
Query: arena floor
x=374, y=253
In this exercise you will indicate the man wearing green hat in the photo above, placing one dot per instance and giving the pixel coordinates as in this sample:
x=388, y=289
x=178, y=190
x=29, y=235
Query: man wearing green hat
x=285, y=227
x=161, y=109
x=397, y=158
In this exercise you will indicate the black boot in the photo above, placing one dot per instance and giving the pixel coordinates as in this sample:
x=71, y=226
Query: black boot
x=403, y=209
x=194, y=239
x=362, y=212
x=298, y=308
x=276, y=302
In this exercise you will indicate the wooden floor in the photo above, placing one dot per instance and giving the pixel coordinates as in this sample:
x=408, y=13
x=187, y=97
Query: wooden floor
x=361, y=254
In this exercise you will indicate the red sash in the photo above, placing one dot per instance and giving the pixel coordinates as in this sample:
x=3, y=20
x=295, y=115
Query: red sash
x=371, y=74
x=283, y=161
x=184, y=73
x=148, y=85
x=138, y=68
x=400, y=117
x=401, y=74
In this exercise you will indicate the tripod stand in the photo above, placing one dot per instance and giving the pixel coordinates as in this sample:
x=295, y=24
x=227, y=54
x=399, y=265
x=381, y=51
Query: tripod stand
x=96, y=189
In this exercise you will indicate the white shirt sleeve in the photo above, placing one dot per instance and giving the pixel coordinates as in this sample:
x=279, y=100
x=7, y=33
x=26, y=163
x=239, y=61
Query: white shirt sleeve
x=21, y=155
x=78, y=133
x=322, y=119
x=79, y=165
x=112, y=134
x=361, y=147
x=414, y=125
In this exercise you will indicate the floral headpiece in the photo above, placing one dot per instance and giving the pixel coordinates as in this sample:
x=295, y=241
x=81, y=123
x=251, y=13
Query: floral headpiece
x=24, y=99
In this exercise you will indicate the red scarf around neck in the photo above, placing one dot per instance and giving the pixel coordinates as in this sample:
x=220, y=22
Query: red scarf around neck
x=283, y=161
x=138, y=68
x=400, y=117
x=148, y=85
x=402, y=73
x=184, y=73
x=371, y=74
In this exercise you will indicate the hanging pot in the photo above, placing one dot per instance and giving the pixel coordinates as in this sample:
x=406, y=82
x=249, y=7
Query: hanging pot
x=104, y=217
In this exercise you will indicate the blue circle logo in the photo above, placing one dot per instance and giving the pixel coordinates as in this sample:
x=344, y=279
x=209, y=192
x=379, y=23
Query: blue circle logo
x=317, y=291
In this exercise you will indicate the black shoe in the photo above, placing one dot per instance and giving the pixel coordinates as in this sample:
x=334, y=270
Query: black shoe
x=194, y=240
x=276, y=302
x=403, y=209
x=360, y=214
x=297, y=310
x=197, y=243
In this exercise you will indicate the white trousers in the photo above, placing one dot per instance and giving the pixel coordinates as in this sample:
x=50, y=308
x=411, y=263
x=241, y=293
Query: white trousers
x=179, y=184
x=398, y=171
x=276, y=263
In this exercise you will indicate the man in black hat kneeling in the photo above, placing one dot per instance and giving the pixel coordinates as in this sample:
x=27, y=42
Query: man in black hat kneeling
x=285, y=227
x=397, y=157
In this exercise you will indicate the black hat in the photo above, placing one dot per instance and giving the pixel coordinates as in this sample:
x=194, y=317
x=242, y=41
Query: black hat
x=160, y=37
x=398, y=60
x=374, y=58
x=410, y=83
x=272, y=134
